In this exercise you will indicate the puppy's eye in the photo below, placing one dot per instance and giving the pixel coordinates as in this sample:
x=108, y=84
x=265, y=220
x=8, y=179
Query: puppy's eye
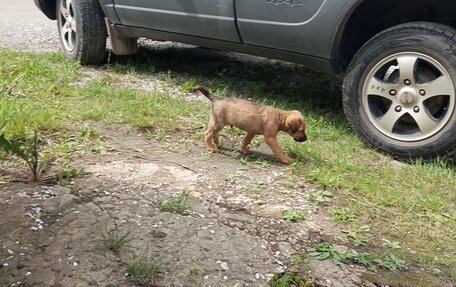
x=294, y=129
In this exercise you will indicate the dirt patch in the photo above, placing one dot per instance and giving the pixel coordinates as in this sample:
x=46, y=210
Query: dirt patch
x=233, y=234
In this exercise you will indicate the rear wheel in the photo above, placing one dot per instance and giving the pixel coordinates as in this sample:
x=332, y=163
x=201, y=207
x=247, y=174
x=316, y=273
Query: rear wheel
x=82, y=30
x=399, y=92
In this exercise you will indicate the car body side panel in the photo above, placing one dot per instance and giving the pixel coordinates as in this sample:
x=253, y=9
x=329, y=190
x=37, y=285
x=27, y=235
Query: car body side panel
x=301, y=26
x=206, y=18
x=108, y=9
x=323, y=65
x=280, y=29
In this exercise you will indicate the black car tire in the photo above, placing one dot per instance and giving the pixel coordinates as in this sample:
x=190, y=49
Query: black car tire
x=399, y=91
x=82, y=30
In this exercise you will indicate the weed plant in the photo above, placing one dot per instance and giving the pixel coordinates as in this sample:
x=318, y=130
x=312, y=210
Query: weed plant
x=142, y=268
x=116, y=240
x=292, y=215
x=26, y=149
x=177, y=205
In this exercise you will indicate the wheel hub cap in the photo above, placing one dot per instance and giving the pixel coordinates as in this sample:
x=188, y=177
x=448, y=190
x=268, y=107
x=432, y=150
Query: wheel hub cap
x=408, y=96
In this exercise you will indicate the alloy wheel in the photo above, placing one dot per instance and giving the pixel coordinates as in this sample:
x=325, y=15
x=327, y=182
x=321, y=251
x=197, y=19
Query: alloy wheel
x=408, y=96
x=67, y=22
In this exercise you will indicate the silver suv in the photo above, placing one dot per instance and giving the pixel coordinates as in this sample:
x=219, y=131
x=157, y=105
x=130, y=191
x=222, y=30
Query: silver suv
x=398, y=56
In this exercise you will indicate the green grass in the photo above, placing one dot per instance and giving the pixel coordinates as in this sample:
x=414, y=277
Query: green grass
x=116, y=240
x=412, y=203
x=369, y=259
x=340, y=215
x=196, y=277
x=289, y=280
x=44, y=97
x=66, y=175
x=142, y=268
x=177, y=205
x=292, y=215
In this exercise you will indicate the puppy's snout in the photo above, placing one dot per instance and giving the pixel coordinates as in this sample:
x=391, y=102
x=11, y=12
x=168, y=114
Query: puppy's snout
x=301, y=139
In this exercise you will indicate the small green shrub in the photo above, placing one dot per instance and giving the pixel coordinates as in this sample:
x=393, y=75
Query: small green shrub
x=26, y=149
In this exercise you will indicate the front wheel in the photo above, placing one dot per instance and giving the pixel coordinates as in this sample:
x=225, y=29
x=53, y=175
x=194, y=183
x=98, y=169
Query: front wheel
x=82, y=30
x=399, y=92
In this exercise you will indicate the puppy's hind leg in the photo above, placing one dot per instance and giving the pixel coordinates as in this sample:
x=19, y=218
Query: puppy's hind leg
x=209, y=139
x=210, y=136
x=245, y=143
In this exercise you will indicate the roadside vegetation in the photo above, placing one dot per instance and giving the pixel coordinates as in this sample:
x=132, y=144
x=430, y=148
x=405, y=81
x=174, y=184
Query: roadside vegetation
x=407, y=204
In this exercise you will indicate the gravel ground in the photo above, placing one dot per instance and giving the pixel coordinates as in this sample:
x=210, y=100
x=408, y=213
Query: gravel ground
x=23, y=27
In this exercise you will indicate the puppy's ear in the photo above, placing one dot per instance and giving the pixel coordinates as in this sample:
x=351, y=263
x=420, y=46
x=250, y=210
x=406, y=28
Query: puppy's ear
x=292, y=123
x=294, y=127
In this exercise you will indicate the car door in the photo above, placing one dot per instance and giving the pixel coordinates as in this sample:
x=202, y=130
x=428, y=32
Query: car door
x=300, y=26
x=206, y=18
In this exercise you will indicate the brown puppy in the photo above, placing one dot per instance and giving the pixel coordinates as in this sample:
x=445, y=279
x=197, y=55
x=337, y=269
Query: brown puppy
x=255, y=120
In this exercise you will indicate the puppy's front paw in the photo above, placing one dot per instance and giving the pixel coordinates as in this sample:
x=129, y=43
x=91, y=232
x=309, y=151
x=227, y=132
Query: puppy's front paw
x=213, y=150
x=245, y=151
x=285, y=160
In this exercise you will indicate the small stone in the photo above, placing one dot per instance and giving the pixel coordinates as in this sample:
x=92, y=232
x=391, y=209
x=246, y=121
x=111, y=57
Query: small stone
x=28, y=273
x=10, y=251
x=20, y=266
x=224, y=266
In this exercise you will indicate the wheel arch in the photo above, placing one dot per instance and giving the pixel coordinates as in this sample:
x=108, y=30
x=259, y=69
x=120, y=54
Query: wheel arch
x=365, y=18
x=47, y=7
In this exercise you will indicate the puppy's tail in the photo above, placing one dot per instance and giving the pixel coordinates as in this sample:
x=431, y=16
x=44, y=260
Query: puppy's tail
x=204, y=92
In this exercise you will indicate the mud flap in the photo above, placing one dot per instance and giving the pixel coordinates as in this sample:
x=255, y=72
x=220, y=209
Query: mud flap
x=121, y=45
